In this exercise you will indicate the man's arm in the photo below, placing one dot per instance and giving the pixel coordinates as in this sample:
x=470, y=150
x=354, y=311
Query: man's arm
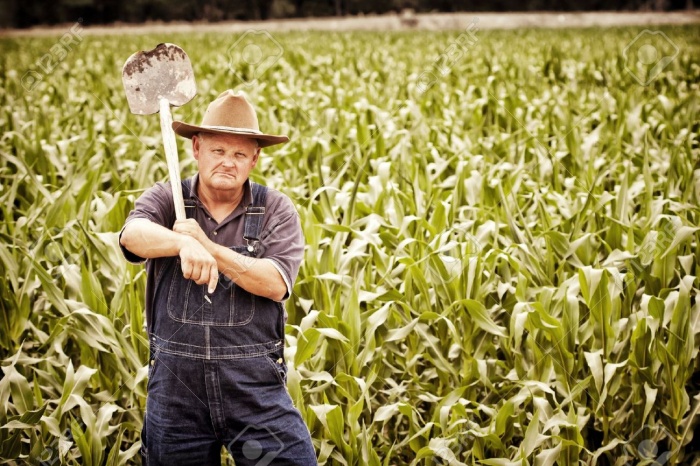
x=150, y=240
x=257, y=276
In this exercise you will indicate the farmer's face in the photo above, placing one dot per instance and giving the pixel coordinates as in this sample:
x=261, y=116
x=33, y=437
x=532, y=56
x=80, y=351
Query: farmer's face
x=225, y=160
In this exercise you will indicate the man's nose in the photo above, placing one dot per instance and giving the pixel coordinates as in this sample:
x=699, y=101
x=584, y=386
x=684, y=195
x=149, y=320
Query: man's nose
x=229, y=161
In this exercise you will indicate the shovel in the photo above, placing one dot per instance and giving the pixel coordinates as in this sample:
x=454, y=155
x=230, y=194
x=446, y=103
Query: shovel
x=154, y=80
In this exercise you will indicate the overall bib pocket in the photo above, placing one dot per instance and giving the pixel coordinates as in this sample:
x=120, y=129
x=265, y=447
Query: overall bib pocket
x=190, y=303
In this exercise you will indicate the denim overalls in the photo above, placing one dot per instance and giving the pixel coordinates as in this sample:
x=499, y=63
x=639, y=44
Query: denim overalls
x=217, y=373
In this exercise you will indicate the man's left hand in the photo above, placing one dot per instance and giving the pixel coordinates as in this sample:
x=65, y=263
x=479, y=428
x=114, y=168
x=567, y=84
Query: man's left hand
x=190, y=227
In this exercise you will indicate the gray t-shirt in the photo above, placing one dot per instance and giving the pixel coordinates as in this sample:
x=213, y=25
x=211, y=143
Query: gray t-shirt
x=281, y=239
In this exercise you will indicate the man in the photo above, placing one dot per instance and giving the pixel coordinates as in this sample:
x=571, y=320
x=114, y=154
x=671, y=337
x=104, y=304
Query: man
x=217, y=374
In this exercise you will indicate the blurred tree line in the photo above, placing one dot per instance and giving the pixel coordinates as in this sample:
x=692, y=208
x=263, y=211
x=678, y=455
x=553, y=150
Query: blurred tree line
x=17, y=13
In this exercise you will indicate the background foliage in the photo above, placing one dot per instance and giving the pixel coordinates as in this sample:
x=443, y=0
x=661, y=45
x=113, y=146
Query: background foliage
x=21, y=14
x=501, y=269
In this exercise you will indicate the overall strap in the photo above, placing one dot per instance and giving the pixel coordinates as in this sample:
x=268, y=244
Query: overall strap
x=190, y=203
x=254, y=215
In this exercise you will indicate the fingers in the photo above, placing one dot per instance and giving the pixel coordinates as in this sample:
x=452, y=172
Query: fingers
x=187, y=227
x=213, y=278
x=201, y=271
x=187, y=266
x=197, y=273
x=180, y=226
x=209, y=275
x=199, y=265
x=187, y=221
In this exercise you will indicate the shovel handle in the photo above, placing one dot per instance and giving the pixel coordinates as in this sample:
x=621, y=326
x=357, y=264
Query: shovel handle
x=166, y=121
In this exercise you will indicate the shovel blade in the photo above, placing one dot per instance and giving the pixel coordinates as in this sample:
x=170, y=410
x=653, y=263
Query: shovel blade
x=162, y=73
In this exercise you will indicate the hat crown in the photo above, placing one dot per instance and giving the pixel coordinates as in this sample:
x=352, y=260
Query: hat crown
x=230, y=113
x=231, y=110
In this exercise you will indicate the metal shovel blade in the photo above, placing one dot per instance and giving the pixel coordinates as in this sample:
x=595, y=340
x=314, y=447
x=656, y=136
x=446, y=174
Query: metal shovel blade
x=162, y=73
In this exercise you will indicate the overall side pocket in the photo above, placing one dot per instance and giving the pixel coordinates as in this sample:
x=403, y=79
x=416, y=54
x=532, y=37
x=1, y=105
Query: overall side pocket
x=279, y=366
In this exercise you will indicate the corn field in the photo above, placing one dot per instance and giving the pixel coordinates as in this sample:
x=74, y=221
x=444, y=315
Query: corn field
x=502, y=242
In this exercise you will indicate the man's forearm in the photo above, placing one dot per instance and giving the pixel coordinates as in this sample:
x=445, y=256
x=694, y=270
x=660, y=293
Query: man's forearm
x=257, y=276
x=150, y=240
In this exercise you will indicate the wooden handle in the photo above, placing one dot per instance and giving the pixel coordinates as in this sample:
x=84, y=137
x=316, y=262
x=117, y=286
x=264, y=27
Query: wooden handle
x=166, y=128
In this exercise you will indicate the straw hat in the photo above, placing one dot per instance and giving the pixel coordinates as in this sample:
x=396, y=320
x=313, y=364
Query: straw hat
x=230, y=113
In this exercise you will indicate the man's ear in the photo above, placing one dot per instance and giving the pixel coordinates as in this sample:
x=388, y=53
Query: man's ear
x=196, y=141
x=255, y=157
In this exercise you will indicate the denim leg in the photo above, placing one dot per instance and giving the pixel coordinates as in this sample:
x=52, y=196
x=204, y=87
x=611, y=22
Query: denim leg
x=177, y=427
x=262, y=425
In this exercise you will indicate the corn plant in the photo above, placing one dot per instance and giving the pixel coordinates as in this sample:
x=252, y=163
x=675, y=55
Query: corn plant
x=501, y=263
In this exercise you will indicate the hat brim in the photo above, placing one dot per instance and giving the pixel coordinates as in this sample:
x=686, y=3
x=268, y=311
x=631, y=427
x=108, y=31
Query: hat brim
x=264, y=140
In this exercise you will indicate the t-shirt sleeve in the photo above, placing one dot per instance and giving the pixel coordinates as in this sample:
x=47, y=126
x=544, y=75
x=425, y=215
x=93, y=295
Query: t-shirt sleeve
x=156, y=205
x=283, y=242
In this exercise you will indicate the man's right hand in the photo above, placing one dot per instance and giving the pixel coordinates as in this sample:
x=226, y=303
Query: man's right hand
x=197, y=263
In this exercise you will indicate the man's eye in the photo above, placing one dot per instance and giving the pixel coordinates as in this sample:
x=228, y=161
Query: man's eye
x=218, y=151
